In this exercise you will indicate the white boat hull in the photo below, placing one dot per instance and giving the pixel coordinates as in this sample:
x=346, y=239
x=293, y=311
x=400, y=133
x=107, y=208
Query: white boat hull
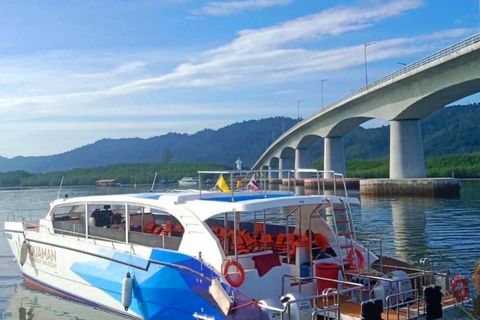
x=167, y=284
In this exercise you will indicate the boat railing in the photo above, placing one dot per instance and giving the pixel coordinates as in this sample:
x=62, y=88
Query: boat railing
x=330, y=298
x=264, y=177
x=22, y=215
x=350, y=286
x=367, y=242
x=207, y=274
x=80, y=236
x=392, y=303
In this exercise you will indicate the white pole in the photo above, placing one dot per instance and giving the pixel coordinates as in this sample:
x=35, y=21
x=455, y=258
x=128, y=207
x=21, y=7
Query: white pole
x=127, y=223
x=86, y=220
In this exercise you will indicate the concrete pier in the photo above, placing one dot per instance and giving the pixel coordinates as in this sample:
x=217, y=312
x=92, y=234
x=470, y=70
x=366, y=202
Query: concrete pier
x=406, y=150
x=443, y=187
x=302, y=161
x=334, y=157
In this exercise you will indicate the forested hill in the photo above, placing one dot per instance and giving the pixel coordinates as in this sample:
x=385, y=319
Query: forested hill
x=451, y=130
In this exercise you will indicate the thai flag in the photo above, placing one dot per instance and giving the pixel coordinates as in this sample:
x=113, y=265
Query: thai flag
x=252, y=184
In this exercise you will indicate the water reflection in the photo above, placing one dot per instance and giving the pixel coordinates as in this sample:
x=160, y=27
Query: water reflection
x=29, y=304
x=409, y=228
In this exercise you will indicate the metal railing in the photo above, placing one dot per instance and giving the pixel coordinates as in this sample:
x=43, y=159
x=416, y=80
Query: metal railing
x=420, y=63
x=264, y=176
x=392, y=303
x=23, y=214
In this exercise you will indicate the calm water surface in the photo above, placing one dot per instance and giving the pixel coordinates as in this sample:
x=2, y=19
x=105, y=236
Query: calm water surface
x=445, y=230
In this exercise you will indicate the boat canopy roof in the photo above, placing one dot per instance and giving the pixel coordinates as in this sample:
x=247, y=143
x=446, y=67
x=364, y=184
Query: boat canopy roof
x=208, y=204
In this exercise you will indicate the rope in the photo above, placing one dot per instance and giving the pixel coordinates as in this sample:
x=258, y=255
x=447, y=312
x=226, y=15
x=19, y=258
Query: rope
x=469, y=314
x=253, y=303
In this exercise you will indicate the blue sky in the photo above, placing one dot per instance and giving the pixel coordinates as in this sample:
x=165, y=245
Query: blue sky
x=73, y=72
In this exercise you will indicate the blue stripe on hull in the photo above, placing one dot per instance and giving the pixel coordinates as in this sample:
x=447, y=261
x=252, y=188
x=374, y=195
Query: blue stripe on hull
x=162, y=291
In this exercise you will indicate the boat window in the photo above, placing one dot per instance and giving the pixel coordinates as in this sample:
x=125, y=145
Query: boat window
x=69, y=213
x=149, y=227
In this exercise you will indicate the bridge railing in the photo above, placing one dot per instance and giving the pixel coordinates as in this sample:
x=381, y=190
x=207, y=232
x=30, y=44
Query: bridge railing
x=420, y=63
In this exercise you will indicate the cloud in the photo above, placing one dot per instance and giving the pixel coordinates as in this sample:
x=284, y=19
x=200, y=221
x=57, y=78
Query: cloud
x=124, y=69
x=235, y=7
x=267, y=55
x=260, y=54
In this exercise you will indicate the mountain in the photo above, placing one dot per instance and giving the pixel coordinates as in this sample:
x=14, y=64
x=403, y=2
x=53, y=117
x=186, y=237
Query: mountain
x=451, y=130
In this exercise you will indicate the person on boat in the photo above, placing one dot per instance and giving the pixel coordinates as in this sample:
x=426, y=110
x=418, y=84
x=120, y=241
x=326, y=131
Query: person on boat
x=320, y=245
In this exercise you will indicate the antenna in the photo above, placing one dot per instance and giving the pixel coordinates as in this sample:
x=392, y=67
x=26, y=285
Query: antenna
x=154, y=180
x=60, y=189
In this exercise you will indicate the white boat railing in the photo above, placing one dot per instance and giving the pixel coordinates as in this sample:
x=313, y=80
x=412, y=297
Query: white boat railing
x=265, y=177
x=204, y=274
x=23, y=215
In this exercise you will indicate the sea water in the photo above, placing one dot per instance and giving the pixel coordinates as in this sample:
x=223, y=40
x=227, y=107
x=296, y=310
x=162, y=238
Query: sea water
x=444, y=230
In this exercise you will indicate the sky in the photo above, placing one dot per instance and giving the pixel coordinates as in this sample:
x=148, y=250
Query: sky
x=73, y=72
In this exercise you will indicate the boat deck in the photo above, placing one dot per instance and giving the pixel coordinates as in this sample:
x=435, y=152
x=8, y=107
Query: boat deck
x=413, y=311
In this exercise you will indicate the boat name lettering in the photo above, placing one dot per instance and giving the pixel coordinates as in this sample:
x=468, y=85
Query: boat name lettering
x=43, y=255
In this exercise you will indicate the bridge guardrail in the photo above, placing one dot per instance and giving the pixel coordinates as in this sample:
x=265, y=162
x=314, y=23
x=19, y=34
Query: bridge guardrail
x=440, y=54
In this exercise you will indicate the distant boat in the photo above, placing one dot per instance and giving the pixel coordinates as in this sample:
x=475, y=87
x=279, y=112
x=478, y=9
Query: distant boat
x=107, y=183
x=166, y=181
x=188, y=181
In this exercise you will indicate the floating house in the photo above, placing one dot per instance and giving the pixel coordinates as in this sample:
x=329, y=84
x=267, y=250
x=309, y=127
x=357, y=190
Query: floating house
x=106, y=183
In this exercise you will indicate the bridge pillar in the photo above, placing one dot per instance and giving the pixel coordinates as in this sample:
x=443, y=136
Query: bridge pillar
x=406, y=150
x=334, y=157
x=302, y=161
x=280, y=168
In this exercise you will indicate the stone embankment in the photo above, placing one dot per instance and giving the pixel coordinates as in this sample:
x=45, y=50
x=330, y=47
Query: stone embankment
x=448, y=187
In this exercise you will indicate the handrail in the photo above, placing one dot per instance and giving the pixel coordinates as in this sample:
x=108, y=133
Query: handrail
x=354, y=285
x=202, y=274
x=390, y=305
x=264, y=175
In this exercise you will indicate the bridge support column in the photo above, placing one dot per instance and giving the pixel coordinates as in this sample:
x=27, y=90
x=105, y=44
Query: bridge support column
x=302, y=161
x=280, y=168
x=406, y=150
x=334, y=157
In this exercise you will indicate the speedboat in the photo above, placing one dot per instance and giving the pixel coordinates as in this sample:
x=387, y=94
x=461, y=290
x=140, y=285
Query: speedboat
x=214, y=255
x=187, y=181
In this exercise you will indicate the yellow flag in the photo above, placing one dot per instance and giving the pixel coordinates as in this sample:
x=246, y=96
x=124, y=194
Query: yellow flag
x=222, y=184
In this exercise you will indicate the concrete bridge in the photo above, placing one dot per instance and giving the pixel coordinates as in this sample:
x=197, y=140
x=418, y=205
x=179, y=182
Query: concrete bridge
x=402, y=98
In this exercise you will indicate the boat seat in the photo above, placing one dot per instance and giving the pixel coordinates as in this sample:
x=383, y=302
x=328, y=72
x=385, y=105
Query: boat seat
x=150, y=227
x=158, y=229
x=168, y=229
x=178, y=228
x=268, y=238
x=280, y=242
x=293, y=248
x=241, y=242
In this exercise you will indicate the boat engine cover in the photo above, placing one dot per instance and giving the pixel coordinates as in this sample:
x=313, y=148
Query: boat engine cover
x=299, y=310
x=272, y=302
x=401, y=283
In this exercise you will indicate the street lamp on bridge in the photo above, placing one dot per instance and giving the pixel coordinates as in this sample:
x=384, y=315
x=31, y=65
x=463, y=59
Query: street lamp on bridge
x=322, y=81
x=298, y=109
x=365, y=45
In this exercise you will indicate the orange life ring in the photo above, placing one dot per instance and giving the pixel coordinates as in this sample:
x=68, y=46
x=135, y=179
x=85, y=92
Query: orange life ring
x=462, y=294
x=241, y=272
x=352, y=261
